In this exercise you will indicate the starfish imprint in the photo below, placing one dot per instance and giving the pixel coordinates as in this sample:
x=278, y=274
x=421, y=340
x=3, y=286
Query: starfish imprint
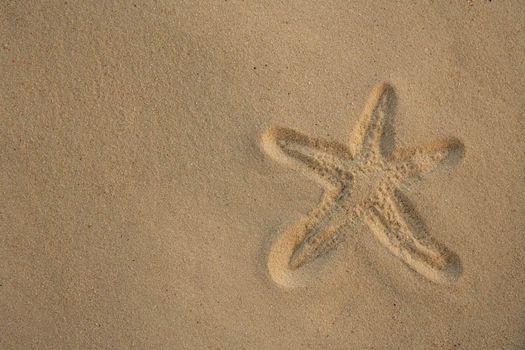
x=364, y=182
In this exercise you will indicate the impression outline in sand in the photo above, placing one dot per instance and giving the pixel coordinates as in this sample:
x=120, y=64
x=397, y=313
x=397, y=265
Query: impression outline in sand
x=363, y=182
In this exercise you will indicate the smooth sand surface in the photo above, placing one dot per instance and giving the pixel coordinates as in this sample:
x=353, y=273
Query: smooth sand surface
x=149, y=197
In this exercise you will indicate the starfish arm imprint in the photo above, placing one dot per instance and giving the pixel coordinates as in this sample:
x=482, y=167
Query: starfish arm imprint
x=418, y=161
x=322, y=160
x=396, y=225
x=322, y=232
x=373, y=136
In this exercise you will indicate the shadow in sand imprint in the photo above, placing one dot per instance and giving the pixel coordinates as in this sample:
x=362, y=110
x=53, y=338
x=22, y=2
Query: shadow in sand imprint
x=363, y=182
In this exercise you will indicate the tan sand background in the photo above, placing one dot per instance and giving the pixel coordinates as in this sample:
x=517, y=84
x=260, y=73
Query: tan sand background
x=137, y=207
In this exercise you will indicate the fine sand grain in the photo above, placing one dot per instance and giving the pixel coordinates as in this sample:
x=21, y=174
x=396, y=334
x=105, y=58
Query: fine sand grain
x=262, y=175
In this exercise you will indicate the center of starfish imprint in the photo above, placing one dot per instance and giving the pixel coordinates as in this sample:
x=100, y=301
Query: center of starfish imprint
x=363, y=181
x=366, y=182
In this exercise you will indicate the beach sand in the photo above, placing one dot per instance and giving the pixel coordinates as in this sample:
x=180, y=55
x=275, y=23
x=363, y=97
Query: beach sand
x=161, y=162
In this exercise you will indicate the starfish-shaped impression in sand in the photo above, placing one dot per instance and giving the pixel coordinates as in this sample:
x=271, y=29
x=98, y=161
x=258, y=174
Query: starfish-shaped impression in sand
x=364, y=182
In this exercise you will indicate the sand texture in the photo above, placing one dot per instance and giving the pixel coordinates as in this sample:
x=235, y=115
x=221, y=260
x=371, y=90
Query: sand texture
x=262, y=175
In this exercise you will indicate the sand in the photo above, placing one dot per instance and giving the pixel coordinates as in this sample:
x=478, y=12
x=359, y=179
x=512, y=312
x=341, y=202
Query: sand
x=231, y=175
